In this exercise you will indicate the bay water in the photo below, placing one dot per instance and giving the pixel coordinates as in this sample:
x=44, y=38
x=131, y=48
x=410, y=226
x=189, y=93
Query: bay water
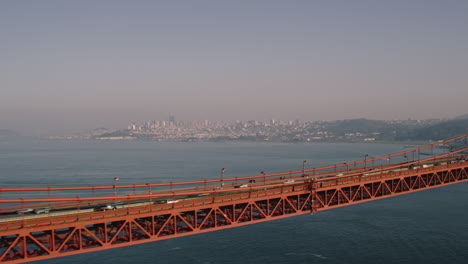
x=429, y=226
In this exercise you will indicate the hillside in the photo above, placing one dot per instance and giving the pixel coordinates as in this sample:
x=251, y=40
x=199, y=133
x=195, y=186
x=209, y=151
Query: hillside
x=443, y=130
x=8, y=133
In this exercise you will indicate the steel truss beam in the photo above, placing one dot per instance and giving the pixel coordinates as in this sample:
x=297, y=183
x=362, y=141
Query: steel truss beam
x=80, y=237
x=373, y=189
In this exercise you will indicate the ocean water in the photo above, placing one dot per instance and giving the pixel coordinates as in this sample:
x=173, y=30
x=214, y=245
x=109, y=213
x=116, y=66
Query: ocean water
x=430, y=226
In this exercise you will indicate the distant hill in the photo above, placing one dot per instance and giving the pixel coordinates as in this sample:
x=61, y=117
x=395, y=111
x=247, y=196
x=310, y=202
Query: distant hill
x=8, y=133
x=118, y=133
x=465, y=116
x=380, y=130
x=357, y=126
x=400, y=131
x=443, y=130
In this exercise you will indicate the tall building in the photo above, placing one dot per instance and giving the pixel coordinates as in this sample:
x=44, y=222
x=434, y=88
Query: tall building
x=172, y=119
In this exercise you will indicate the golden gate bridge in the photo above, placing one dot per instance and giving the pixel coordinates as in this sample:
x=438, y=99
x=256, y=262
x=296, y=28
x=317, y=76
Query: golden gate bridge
x=48, y=222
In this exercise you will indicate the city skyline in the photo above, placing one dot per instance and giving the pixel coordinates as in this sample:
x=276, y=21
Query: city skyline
x=354, y=130
x=173, y=129
x=76, y=66
x=172, y=120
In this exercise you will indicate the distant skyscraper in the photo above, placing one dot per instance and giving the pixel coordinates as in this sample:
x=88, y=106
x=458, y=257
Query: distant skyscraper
x=171, y=118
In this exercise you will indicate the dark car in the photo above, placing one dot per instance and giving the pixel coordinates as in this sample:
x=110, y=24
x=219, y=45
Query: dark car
x=104, y=207
x=117, y=204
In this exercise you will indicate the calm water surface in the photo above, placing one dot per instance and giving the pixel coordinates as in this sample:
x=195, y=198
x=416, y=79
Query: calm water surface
x=425, y=227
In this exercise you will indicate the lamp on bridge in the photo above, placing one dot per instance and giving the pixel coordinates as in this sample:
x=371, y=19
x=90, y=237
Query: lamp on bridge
x=222, y=176
x=365, y=160
x=303, y=167
x=150, y=192
x=115, y=185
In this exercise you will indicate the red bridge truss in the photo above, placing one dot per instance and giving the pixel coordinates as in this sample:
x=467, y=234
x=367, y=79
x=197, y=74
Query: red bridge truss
x=79, y=224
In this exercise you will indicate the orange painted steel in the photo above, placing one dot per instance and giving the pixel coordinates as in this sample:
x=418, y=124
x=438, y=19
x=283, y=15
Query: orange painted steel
x=29, y=239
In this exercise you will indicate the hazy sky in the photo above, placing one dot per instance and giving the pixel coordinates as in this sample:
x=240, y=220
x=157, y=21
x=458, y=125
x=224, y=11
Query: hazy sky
x=77, y=65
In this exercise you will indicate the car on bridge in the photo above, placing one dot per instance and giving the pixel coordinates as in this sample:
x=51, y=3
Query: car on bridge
x=168, y=201
x=43, y=210
x=117, y=204
x=104, y=207
x=25, y=211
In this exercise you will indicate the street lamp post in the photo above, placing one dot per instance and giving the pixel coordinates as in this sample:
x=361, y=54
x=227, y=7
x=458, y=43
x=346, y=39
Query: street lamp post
x=264, y=178
x=303, y=167
x=115, y=185
x=150, y=192
x=365, y=160
x=222, y=176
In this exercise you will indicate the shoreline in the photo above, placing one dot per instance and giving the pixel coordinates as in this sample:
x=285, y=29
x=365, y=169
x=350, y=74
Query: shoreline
x=409, y=144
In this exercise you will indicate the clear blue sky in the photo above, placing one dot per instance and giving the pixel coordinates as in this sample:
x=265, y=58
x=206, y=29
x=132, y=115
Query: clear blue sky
x=78, y=65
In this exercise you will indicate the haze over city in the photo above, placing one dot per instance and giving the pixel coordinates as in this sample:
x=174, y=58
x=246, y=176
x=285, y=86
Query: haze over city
x=78, y=65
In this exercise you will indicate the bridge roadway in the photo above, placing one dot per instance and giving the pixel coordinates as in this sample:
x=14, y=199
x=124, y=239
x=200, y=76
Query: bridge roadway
x=163, y=214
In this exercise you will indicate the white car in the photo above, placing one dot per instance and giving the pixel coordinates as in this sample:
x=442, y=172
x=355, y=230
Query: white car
x=43, y=210
x=25, y=211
